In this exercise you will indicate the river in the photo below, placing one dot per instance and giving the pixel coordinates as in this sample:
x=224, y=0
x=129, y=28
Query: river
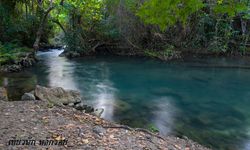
x=193, y=98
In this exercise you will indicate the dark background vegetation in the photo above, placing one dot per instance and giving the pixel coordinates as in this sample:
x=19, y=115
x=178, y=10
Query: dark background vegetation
x=147, y=27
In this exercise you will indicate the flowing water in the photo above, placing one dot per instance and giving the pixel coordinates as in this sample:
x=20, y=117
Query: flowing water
x=208, y=104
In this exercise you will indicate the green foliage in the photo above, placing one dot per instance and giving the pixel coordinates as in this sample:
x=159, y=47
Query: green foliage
x=167, y=52
x=153, y=128
x=150, y=24
x=19, y=23
x=231, y=7
x=10, y=52
x=76, y=41
x=166, y=13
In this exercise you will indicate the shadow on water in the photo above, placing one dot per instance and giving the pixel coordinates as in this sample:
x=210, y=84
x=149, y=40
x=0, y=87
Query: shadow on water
x=17, y=84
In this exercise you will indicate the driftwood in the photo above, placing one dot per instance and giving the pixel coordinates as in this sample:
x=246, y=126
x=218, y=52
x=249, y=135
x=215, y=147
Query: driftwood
x=141, y=130
x=97, y=45
x=135, y=129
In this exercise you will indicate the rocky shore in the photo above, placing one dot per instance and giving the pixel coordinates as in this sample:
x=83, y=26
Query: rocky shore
x=55, y=118
x=24, y=60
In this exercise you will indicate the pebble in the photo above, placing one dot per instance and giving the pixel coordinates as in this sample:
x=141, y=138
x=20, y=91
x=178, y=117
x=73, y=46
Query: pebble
x=85, y=141
x=99, y=130
x=71, y=104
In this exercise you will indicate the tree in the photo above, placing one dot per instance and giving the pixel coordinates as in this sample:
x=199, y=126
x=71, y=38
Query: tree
x=166, y=13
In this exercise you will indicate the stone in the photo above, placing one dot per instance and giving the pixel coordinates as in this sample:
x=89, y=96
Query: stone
x=99, y=130
x=83, y=107
x=28, y=96
x=89, y=109
x=71, y=104
x=32, y=92
x=98, y=112
x=57, y=95
x=80, y=106
x=3, y=94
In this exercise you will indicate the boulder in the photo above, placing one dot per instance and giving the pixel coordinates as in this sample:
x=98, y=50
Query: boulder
x=57, y=95
x=3, y=94
x=28, y=97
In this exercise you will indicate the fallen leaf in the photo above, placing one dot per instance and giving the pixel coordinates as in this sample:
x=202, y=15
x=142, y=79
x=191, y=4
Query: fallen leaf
x=58, y=137
x=111, y=136
x=70, y=126
x=98, y=121
x=85, y=141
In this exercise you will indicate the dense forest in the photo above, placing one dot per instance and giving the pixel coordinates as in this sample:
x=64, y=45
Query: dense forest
x=156, y=28
x=201, y=95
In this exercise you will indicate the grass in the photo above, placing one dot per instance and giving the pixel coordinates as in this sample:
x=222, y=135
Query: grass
x=10, y=52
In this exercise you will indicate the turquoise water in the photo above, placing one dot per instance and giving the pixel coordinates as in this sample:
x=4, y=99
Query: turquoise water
x=210, y=105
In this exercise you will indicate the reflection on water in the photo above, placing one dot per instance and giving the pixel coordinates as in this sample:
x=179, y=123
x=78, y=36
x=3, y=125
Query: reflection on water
x=5, y=82
x=17, y=84
x=104, y=98
x=163, y=115
x=60, y=69
x=104, y=93
x=209, y=105
x=62, y=73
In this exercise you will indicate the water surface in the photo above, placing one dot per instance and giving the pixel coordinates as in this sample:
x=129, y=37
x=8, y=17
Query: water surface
x=208, y=104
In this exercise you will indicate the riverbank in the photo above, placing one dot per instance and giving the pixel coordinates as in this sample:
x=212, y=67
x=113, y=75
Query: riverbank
x=14, y=58
x=163, y=55
x=36, y=119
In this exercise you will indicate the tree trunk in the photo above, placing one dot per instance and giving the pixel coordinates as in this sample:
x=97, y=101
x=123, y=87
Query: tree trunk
x=243, y=26
x=60, y=25
x=40, y=29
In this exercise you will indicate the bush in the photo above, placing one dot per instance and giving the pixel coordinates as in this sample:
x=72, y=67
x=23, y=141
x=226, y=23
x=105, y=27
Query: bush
x=10, y=52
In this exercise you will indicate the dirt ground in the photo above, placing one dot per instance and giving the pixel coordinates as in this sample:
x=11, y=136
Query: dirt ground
x=34, y=125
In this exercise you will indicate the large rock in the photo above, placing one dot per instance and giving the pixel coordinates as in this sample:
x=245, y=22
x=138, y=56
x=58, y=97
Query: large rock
x=28, y=97
x=57, y=95
x=3, y=94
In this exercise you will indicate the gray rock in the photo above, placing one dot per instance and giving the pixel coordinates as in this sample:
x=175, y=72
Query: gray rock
x=3, y=94
x=71, y=104
x=80, y=106
x=32, y=92
x=89, y=109
x=98, y=112
x=99, y=130
x=85, y=108
x=28, y=96
x=57, y=95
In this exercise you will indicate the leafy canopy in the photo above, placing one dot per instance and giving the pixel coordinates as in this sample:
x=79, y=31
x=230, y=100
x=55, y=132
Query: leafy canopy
x=166, y=13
